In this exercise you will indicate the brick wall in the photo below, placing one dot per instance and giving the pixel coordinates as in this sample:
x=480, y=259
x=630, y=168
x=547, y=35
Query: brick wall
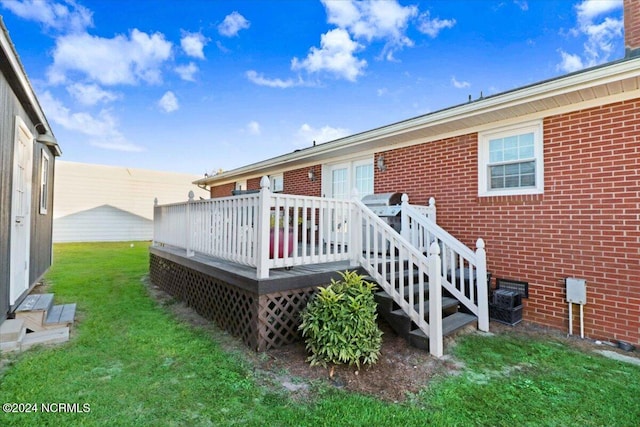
x=297, y=182
x=222, y=190
x=586, y=224
x=253, y=183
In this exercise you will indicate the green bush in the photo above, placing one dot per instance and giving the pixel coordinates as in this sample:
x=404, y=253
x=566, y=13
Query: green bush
x=339, y=323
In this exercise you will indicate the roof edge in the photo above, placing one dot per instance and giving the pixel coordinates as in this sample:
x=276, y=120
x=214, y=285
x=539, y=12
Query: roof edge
x=588, y=77
x=15, y=64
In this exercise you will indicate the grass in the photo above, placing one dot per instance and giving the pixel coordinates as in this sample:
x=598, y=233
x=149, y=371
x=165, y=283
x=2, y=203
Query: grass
x=134, y=364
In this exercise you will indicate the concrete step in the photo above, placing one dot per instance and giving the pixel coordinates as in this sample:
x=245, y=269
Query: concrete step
x=60, y=315
x=46, y=337
x=12, y=331
x=450, y=324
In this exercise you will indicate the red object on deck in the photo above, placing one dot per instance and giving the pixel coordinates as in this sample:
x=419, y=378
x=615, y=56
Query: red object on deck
x=280, y=243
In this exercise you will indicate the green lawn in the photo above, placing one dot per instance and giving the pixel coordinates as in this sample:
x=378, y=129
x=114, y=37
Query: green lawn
x=134, y=364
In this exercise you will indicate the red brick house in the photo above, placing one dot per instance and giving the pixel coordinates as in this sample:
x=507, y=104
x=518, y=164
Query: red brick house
x=548, y=175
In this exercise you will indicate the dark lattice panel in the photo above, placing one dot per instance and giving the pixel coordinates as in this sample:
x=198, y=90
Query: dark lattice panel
x=279, y=317
x=233, y=309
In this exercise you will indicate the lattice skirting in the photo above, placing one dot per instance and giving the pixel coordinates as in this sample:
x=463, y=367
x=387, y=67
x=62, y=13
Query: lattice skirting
x=261, y=321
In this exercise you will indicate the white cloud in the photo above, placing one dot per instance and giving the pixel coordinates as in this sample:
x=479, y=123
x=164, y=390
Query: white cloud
x=335, y=55
x=67, y=16
x=570, y=63
x=91, y=94
x=168, y=103
x=193, y=44
x=222, y=47
x=100, y=131
x=522, y=4
x=232, y=25
x=187, y=72
x=359, y=24
x=432, y=27
x=459, y=85
x=254, y=128
x=306, y=135
x=120, y=60
x=261, y=80
x=601, y=34
x=374, y=20
x=588, y=10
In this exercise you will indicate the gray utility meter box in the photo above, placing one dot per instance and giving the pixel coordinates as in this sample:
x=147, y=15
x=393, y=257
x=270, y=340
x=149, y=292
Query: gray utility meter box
x=576, y=290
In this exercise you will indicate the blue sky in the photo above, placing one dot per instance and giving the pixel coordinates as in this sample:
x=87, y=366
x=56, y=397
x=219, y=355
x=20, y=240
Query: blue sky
x=195, y=86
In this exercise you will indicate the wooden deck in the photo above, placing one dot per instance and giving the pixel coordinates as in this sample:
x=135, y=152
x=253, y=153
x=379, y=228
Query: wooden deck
x=264, y=313
x=245, y=277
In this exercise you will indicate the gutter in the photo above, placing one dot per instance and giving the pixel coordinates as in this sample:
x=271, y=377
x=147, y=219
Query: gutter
x=601, y=74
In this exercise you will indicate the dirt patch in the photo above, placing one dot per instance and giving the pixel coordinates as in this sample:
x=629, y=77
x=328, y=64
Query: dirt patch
x=401, y=370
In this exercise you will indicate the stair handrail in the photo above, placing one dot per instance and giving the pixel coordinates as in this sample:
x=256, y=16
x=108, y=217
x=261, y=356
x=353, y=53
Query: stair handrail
x=376, y=235
x=461, y=266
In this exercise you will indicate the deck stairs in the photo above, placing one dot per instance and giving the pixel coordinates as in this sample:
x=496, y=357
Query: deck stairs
x=37, y=321
x=454, y=319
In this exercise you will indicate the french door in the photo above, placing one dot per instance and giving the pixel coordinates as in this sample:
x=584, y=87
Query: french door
x=343, y=178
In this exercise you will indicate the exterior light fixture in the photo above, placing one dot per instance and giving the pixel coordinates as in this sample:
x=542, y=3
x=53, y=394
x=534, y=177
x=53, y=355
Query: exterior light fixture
x=381, y=165
x=312, y=175
x=50, y=141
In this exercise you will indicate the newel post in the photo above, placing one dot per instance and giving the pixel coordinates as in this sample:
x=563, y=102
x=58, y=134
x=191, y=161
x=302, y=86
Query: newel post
x=482, y=286
x=189, y=236
x=264, y=208
x=404, y=218
x=355, y=233
x=432, y=209
x=436, y=346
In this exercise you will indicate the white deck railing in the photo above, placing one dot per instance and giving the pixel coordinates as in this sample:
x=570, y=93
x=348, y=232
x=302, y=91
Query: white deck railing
x=264, y=230
x=464, y=272
x=268, y=230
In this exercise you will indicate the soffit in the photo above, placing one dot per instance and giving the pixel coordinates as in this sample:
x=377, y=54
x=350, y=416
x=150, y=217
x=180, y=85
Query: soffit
x=584, y=89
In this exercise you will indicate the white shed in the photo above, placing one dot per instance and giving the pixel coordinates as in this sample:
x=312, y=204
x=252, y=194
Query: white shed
x=97, y=203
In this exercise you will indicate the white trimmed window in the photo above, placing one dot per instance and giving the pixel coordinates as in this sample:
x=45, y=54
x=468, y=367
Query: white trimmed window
x=44, y=182
x=339, y=179
x=277, y=183
x=510, y=161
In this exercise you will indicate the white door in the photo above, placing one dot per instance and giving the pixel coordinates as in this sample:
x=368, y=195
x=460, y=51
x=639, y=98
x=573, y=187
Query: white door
x=339, y=189
x=21, y=211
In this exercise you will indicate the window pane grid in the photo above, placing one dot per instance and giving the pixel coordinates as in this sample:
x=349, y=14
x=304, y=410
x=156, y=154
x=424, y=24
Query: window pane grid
x=364, y=179
x=512, y=175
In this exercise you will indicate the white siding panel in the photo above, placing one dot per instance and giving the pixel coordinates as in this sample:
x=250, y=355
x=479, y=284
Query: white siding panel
x=96, y=203
x=102, y=224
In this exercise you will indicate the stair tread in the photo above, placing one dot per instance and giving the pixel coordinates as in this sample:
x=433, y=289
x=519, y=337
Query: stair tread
x=416, y=290
x=450, y=324
x=447, y=302
x=64, y=313
x=36, y=302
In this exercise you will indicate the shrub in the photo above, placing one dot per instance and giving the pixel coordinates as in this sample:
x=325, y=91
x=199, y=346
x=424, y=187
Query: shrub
x=339, y=323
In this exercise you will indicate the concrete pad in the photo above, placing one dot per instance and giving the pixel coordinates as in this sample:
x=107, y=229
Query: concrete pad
x=50, y=336
x=8, y=346
x=11, y=330
x=620, y=357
